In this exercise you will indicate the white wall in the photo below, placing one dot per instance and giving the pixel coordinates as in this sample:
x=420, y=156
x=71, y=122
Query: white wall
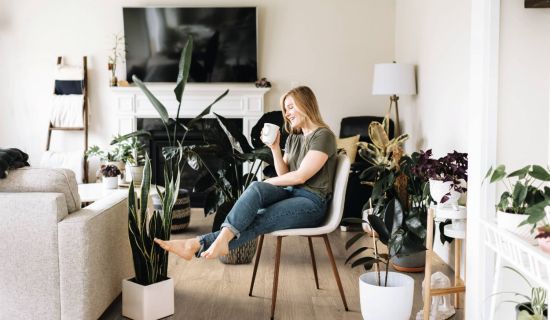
x=524, y=85
x=523, y=119
x=434, y=35
x=329, y=45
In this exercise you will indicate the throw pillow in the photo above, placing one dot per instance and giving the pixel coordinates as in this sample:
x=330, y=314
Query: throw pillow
x=349, y=145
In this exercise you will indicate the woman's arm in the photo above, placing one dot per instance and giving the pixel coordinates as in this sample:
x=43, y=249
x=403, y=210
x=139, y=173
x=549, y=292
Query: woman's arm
x=281, y=162
x=311, y=164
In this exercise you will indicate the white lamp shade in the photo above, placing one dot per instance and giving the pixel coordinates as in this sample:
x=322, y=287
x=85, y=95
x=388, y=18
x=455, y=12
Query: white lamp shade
x=393, y=78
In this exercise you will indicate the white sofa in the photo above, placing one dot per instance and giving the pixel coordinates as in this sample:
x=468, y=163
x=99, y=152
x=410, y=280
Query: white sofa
x=58, y=261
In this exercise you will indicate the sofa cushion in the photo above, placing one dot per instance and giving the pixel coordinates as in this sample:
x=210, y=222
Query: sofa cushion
x=30, y=179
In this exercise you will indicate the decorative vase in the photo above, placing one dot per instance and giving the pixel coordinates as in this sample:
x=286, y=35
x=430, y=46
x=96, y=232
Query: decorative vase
x=113, y=82
x=154, y=301
x=136, y=174
x=181, y=212
x=378, y=301
x=438, y=190
x=110, y=182
x=511, y=221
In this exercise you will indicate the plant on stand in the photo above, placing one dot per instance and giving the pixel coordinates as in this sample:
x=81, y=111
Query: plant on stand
x=151, y=261
x=524, y=199
x=134, y=150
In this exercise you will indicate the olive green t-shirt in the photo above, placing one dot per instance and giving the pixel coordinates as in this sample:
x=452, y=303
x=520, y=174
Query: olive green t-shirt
x=322, y=139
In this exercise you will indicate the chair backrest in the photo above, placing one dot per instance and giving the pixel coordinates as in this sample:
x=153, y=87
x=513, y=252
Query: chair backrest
x=336, y=206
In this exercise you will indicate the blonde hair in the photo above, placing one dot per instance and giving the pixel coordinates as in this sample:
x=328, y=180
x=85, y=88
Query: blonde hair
x=305, y=101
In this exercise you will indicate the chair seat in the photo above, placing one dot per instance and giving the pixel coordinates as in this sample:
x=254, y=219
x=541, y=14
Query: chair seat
x=303, y=231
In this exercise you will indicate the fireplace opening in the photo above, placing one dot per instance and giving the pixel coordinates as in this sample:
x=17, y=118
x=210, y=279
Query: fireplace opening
x=206, y=131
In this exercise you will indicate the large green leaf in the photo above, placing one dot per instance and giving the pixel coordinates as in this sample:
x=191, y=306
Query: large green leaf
x=519, y=194
x=139, y=133
x=539, y=173
x=183, y=70
x=414, y=224
x=159, y=107
x=393, y=215
x=498, y=173
x=206, y=110
x=380, y=227
x=521, y=173
x=396, y=242
x=234, y=134
x=363, y=261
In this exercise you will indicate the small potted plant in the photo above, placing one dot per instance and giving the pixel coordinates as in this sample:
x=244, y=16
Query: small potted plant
x=445, y=174
x=379, y=290
x=117, y=55
x=521, y=206
x=134, y=156
x=534, y=308
x=110, y=175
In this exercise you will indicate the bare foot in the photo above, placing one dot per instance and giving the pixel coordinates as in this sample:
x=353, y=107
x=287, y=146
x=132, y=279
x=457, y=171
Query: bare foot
x=220, y=247
x=183, y=248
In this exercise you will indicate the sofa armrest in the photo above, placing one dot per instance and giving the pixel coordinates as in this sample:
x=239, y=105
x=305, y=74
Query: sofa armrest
x=29, y=268
x=94, y=256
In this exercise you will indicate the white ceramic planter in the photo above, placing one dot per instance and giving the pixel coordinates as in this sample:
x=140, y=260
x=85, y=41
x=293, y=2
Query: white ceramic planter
x=391, y=302
x=136, y=174
x=110, y=182
x=438, y=189
x=510, y=222
x=150, y=302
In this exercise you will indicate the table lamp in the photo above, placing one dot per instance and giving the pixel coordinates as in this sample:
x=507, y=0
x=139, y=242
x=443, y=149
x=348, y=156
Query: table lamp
x=394, y=79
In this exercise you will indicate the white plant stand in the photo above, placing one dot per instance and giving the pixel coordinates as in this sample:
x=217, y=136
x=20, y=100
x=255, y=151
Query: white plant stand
x=524, y=257
x=458, y=285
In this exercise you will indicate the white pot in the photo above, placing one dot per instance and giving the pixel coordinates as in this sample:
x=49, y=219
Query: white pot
x=510, y=222
x=392, y=302
x=110, y=182
x=438, y=189
x=136, y=174
x=150, y=302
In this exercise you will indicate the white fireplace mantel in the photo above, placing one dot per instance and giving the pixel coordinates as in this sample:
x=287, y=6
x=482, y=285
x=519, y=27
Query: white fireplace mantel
x=243, y=101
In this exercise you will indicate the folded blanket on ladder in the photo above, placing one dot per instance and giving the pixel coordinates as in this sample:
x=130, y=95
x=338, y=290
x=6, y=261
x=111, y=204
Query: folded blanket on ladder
x=67, y=111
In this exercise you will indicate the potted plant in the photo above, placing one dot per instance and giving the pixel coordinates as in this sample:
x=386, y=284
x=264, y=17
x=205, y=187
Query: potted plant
x=117, y=55
x=445, y=174
x=110, y=175
x=134, y=156
x=226, y=185
x=521, y=206
x=379, y=290
x=392, y=178
x=534, y=308
x=116, y=155
x=150, y=294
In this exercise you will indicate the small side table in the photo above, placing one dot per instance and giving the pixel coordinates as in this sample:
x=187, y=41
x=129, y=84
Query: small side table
x=459, y=286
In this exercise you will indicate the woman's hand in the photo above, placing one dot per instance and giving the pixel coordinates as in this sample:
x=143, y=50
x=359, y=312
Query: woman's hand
x=275, y=143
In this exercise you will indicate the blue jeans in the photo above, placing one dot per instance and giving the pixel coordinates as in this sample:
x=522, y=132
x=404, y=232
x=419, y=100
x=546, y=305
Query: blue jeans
x=265, y=208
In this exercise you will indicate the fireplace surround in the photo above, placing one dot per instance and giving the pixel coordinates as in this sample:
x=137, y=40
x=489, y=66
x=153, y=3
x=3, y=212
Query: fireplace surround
x=244, y=104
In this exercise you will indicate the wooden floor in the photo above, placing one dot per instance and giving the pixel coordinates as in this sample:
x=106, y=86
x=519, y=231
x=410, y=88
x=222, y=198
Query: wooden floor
x=208, y=289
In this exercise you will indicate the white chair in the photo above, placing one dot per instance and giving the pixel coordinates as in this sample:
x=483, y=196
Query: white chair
x=333, y=217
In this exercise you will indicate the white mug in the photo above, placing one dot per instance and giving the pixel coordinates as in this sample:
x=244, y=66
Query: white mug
x=269, y=133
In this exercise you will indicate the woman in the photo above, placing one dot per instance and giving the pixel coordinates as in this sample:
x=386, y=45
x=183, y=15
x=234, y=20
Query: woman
x=296, y=198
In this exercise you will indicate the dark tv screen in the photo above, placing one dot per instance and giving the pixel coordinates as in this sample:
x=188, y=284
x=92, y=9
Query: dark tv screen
x=224, y=43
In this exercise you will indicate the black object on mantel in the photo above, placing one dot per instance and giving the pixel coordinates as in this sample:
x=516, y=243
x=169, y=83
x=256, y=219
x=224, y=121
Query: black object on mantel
x=12, y=159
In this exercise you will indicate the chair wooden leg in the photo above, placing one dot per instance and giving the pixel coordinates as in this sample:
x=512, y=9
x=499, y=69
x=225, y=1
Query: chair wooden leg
x=276, y=276
x=313, y=262
x=257, y=261
x=335, y=270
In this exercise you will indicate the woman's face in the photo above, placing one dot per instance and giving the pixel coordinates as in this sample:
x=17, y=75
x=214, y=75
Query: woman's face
x=296, y=118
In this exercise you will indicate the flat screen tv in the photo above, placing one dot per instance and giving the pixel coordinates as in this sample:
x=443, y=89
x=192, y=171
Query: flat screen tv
x=224, y=43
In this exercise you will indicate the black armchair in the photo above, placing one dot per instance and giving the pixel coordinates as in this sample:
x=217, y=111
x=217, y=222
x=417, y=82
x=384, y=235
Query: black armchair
x=357, y=194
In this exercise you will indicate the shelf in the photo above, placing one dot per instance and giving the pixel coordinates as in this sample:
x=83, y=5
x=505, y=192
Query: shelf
x=524, y=257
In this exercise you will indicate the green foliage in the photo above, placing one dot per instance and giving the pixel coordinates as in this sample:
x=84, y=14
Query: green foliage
x=535, y=303
x=525, y=191
x=150, y=261
x=378, y=153
x=119, y=151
